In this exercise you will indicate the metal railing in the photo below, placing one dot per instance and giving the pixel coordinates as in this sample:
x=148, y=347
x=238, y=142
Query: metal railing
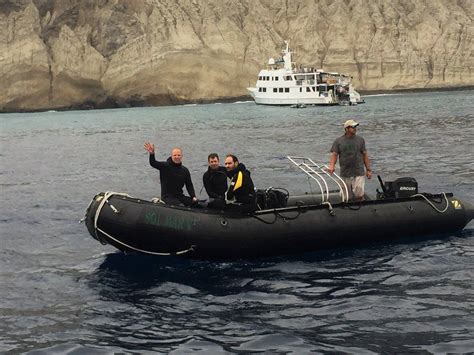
x=320, y=174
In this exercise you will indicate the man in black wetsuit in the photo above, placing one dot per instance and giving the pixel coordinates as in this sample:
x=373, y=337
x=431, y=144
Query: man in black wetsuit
x=173, y=176
x=215, y=182
x=240, y=196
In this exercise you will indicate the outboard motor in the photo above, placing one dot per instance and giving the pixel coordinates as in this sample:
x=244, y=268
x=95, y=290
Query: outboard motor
x=399, y=188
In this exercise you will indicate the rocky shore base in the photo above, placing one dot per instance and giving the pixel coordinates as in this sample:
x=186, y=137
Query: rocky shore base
x=110, y=103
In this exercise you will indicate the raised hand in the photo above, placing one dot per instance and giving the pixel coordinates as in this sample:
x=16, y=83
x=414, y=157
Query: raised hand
x=150, y=148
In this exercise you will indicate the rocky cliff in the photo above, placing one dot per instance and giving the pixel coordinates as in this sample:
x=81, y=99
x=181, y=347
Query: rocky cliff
x=102, y=53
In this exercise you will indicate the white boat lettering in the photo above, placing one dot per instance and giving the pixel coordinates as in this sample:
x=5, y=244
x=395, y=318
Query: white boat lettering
x=171, y=221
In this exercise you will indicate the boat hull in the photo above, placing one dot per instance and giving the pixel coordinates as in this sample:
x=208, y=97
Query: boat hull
x=287, y=100
x=154, y=228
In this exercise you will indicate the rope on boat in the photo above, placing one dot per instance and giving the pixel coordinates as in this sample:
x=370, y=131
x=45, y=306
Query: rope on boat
x=180, y=252
x=431, y=203
x=87, y=209
x=266, y=222
x=277, y=213
x=285, y=218
x=104, y=201
x=359, y=206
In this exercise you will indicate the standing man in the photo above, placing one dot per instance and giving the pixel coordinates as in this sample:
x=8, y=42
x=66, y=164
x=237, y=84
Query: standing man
x=215, y=182
x=353, y=156
x=240, y=195
x=173, y=176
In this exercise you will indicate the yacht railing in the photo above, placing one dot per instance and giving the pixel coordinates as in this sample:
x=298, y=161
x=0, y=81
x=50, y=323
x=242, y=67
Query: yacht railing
x=320, y=174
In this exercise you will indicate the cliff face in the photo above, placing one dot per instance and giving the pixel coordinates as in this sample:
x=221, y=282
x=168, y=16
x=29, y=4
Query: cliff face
x=72, y=53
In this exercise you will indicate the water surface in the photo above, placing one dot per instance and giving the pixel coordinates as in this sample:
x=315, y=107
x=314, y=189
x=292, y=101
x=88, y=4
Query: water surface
x=61, y=291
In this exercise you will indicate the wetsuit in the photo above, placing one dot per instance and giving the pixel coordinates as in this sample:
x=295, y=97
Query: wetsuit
x=215, y=183
x=173, y=178
x=240, y=195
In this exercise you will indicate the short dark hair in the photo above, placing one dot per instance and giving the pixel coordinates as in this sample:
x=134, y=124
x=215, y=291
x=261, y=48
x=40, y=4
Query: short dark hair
x=212, y=156
x=234, y=158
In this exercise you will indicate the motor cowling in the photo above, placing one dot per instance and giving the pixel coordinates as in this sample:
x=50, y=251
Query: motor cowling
x=399, y=188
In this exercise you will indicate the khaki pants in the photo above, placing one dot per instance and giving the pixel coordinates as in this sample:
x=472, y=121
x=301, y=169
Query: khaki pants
x=355, y=186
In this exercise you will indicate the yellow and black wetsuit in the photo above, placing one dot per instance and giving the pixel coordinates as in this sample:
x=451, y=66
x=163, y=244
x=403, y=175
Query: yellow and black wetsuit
x=241, y=190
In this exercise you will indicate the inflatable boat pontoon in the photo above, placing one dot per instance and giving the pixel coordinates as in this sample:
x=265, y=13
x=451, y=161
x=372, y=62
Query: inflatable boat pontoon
x=284, y=224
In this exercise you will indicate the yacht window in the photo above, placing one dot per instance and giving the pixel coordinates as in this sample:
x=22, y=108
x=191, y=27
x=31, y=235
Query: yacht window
x=275, y=90
x=287, y=89
x=308, y=89
x=280, y=89
x=264, y=89
x=276, y=78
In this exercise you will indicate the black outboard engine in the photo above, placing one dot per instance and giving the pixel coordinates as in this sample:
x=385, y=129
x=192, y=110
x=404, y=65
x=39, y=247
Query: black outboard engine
x=399, y=188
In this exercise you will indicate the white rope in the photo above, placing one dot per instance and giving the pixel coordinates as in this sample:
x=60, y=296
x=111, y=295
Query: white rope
x=107, y=195
x=431, y=204
x=104, y=201
x=191, y=248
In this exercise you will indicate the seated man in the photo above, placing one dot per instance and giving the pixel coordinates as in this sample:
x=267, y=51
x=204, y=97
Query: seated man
x=215, y=182
x=173, y=176
x=240, y=196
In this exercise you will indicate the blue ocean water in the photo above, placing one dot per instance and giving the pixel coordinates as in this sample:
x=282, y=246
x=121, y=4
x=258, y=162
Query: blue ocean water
x=62, y=292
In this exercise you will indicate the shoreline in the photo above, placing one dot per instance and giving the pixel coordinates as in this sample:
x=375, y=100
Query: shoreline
x=414, y=90
x=112, y=104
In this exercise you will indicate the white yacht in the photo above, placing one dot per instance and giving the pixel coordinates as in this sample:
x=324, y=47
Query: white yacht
x=285, y=83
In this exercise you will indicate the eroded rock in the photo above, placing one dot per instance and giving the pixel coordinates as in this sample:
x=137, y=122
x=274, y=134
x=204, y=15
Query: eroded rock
x=63, y=54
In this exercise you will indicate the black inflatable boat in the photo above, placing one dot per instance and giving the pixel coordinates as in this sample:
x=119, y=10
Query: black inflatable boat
x=284, y=224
